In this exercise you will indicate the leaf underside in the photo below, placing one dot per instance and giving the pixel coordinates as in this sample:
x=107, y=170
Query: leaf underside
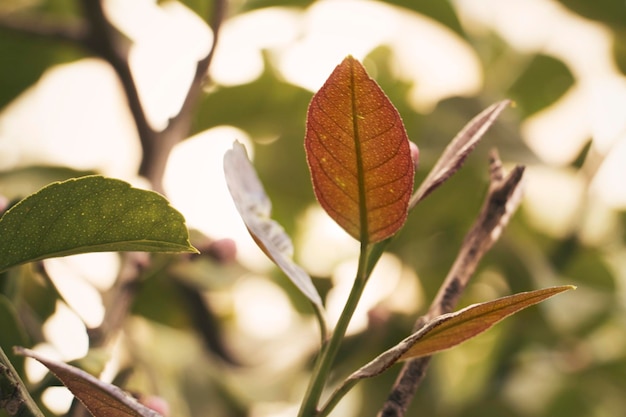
x=358, y=154
x=255, y=209
x=89, y=214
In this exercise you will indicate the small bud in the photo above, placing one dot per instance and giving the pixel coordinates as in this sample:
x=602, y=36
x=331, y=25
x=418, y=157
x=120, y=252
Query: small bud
x=415, y=154
x=223, y=250
x=155, y=403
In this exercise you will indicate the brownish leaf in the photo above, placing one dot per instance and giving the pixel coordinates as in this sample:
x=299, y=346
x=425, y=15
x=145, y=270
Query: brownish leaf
x=449, y=330
x=358, y=154
x=458, y=150
x=100, y=398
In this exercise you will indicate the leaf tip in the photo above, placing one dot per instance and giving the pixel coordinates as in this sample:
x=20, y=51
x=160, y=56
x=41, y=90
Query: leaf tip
x=561, y=288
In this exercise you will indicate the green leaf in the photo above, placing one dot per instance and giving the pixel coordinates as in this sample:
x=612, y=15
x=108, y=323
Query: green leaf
x=449, y=330
x=255, y=209
x=89, y=214
x=358, y=154
x=100, y=398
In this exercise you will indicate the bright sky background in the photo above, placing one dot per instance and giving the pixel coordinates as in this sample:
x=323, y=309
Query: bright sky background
x=75, y=115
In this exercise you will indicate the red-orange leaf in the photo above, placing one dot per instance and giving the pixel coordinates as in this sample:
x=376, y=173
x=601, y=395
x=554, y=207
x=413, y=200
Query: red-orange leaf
x=358, y=153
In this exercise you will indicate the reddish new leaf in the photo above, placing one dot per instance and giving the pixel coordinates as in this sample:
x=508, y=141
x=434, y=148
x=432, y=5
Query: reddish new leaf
x=358, y=153
x=100, y=398
x=449, y=330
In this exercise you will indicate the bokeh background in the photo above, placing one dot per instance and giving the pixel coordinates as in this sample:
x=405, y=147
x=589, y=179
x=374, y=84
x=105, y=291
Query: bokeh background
x=217, y=336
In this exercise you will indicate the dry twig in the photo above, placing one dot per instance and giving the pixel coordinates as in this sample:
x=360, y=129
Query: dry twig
x=501, y=201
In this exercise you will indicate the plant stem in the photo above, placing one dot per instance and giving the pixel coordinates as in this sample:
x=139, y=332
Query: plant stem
x=500, y=203
x=329, y=351
x=319, y=315
x=336, y=396
x=16, y=399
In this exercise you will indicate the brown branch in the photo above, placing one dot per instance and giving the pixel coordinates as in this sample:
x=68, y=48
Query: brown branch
x=97, y=35
x=14, y=396
x=501, y=201
x=201, y=76
x=107, y=42
x=179, y=126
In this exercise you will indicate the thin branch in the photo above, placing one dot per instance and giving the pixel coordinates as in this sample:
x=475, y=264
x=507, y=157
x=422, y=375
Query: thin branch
x=107, y=42
x=156, y=146
x=154, y=160
x=97, y=35
x=200, y=78
x=501, y=201
x=15, y=399
x=403, y=391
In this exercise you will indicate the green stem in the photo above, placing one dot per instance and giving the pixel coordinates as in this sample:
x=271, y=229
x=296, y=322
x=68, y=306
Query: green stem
x=329, y=351
x=319, y=315
x=336, y=396
x=374, y=254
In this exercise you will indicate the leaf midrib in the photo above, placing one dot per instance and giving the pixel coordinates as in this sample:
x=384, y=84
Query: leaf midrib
x=363, y=220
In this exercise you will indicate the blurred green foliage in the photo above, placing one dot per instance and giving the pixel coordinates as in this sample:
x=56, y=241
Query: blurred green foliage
x=566, y=359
